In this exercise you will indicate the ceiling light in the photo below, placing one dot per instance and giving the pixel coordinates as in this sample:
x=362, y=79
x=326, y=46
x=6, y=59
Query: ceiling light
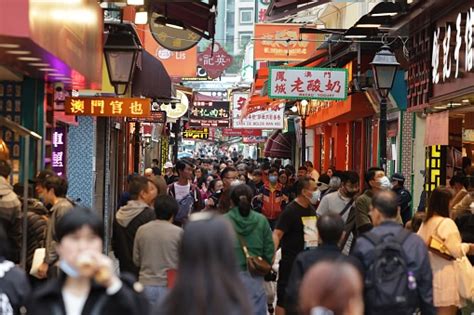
x=371, y=22
x=141, y=17
x=386, y=9
x=135, y=2
x=29, y=58
x=465, y=100
x=47, y=69
x=176, y=24
x=18, y=52
x=11, y=46
x=440, y=107
x=368, y=25
x=39, y=64
x=354, y=32
x=355, y=36
x=455, y=104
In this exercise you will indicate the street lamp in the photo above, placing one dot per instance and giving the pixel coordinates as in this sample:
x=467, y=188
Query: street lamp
x=121, y=52
x=384, y=67
x=303, y=108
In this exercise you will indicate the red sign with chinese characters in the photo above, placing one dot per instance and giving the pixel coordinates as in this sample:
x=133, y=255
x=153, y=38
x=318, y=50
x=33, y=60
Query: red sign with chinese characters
x=214, y=62
x=308, y=83
x=108, y=106
x=231, y=132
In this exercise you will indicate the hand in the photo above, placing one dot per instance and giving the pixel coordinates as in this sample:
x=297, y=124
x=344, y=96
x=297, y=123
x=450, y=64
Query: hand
x=43, y=271
x=260, y=197
x=285, y=198
x=97, y=265
x=210, y=202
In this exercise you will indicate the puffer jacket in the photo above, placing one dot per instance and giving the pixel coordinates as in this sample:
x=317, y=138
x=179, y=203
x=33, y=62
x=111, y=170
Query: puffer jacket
x=10, y=217
x=37, y=227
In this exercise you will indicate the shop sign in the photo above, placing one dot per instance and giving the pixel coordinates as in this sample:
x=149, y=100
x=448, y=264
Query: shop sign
x=448, y=54
x=196, y=134
x=164, y=152
x=108, y=106
x=283, y=42
x=268, y=118
x=232, y=132
x=58, y=156
x=214, y=62
x=172, y=38
x=438, y=126
x=157, y=117
x=308, y=83
x=209, y=114
x=253, y=139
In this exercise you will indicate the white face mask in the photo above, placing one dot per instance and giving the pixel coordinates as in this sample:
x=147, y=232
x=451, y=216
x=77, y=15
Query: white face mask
x=236, y=183
x=315, y=197
x=385, y=183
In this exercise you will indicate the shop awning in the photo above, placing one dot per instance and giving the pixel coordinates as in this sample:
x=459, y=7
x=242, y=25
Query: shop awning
x=278, y=145
x=151, y=80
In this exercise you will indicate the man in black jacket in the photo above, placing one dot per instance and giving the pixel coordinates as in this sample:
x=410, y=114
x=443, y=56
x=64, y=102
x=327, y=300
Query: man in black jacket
x=330, y=227
x=384, y=211
x=403, y=196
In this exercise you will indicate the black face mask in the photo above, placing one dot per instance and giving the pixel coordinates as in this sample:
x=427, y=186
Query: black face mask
x=351, y=194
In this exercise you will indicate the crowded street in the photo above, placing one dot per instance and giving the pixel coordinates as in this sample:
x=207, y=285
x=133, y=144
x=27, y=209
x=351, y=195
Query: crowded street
x=236, y=157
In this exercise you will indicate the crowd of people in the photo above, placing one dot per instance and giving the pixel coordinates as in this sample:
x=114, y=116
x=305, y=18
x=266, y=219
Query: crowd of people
x=237, y=236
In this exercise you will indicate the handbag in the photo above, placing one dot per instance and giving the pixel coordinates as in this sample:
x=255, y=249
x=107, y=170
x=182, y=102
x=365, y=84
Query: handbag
x=437, y=247
x=256, y=265
x=465, y=277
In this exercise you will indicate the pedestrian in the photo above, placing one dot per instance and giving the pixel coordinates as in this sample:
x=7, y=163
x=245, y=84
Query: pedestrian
x=341, y=201
x=87, y=283
x=137, y=212
x=458, y=185
x=186, y=194
x=403, y=196
x=14, y=285
x=331, y=171
x=125, y=195
x=208, y=276
x=464, y=204
x=373, y=179
x=54, y=193
x=330, y=229
x=312, y=172
x=415, y=223
x=397, y=268
x=10, y=213
x=302, y=172
x=439, y=226
x=272, y=198
x=215, y=190
x=254, y=233
x=155, y=250
x=170, y=176
x=294, y=231
x=323, y=185
x=160, y=183
x=199, y=172
x=229, y=176
x=38, y=183
x=332, y=288
x=257, y=181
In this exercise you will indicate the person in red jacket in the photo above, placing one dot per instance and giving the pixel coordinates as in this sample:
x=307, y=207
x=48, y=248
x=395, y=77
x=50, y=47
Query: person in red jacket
x=272, y=197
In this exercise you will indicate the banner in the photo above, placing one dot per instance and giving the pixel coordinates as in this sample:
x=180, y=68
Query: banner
x=209, y=114
x=271, y=118
x=283, y=42
x=108, y=106
x=196, y=134
x=308, y=83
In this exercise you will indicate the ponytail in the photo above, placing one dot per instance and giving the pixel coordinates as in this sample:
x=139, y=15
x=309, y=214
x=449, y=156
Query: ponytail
x=244, y=206
x=241, y=197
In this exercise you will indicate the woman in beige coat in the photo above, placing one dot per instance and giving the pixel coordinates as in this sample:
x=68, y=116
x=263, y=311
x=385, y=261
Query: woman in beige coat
x=437, y=223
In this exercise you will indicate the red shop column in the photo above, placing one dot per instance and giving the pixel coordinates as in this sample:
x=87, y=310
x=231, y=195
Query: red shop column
x=340, y=146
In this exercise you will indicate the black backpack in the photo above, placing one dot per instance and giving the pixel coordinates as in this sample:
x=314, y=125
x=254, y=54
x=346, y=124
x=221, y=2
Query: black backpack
x=389, y=285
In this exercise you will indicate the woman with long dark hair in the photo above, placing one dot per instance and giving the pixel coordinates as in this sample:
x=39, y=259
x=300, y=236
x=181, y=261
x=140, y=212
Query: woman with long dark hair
x=253, y=231
x=438, y=225
x=207, y=280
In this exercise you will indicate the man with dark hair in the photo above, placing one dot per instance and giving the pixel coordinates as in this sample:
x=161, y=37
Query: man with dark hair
x=341, y=201
x=130, y=217
x=414, y=286
x=155, y=250
x=271, y=196
x=186, y=194
x=373, y=179
x=54, y=193
x=302, y=172
x=458, y=185
x=38, y=181
x=330, y=228
x=403, y=195
x=10, y=213
x=294, y=231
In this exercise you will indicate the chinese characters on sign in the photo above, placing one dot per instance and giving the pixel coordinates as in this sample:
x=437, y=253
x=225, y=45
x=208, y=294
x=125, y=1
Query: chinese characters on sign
x=308, y=83
x=108, y=106
x=278, y=42
x=267, y=118
x=231, y=132
x=196, y=134
x=157, y=117
x=463, y=35
x=209, y=114
x=58, y=157
x=214, y=62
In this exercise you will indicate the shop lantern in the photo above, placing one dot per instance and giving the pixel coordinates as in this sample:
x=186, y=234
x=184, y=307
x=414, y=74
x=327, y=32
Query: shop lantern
x=385, y=67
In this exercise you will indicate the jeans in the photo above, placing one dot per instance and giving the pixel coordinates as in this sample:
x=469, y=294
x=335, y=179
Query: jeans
x=155, y=293
x=257, y=295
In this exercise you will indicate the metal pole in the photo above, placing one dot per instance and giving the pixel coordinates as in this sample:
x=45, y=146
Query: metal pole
x=303, y=140
x=383, y=133
x=25, y=202
x=176, y=127
x=136, y=148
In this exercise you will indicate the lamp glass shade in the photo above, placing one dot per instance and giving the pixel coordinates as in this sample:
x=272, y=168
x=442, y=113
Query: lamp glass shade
x=303, y=108
x=385, y=67
x=120, y=65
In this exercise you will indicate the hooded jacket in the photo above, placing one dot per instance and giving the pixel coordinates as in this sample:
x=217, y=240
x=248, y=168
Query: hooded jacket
x=10, y=217
x=127, y=221
x=37, y=228
x=256, y=232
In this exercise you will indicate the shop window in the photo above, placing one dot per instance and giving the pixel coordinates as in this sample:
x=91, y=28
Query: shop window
x=246, y=16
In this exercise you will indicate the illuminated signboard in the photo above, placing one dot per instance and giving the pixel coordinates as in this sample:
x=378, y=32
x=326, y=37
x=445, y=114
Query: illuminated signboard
x=158, y=117
x=209, y=114
x=196, y=134
x=108, y=107
x=58, y=157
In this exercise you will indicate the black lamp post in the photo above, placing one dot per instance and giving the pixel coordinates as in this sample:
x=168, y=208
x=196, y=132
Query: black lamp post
x=384, y=67
x=303, y=108
x=121, y=51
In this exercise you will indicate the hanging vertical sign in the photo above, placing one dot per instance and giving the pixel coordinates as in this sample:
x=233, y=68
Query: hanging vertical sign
x=164, y=152
x=58, y=157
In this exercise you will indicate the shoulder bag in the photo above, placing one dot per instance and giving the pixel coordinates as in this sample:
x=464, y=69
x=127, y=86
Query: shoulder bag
x=436, y=245
x=256, y=265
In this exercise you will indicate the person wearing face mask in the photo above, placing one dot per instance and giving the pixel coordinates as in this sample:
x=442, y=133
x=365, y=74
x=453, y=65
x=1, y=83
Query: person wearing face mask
x=403, y=196
x=341, y=201
x=295, y=230
x=272, y=197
